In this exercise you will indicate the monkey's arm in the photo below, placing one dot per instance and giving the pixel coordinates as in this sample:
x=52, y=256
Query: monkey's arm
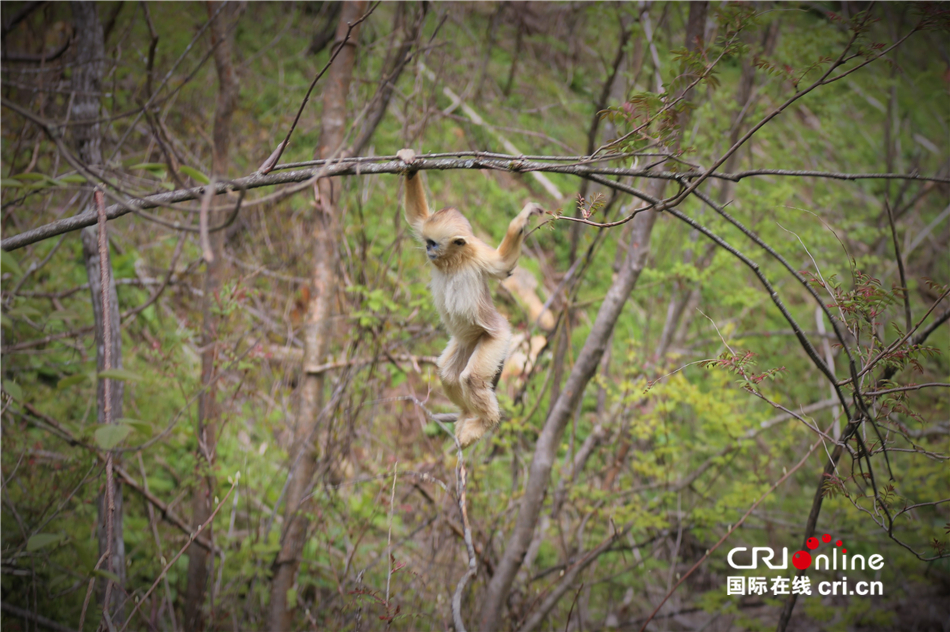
x=506, y=256
x=416, y=208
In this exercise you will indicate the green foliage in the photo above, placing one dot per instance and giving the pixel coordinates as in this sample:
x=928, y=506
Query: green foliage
x=43, y=540
x=679, y=444
x=109, y=436
x=194, y=174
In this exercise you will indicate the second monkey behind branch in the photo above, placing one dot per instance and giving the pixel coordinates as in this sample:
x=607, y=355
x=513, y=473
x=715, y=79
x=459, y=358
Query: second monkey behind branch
x=461, y=267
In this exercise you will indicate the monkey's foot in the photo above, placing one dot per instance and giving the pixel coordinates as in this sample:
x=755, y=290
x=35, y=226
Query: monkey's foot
x=469, y=430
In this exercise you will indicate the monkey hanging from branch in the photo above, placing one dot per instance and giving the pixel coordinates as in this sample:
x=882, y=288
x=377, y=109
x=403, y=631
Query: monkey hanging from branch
x=461, y=267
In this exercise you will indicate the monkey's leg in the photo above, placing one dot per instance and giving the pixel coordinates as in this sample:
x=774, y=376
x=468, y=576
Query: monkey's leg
x=476, y=382
x=451, y=364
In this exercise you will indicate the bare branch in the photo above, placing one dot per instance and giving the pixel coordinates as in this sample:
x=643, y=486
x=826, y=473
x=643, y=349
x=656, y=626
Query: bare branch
x=461, y=482
x=908, y=322
x=49, y=624
x=278, y=152
x=730, y=531
x=341, y=167
x=192, y=538
x=914, y=387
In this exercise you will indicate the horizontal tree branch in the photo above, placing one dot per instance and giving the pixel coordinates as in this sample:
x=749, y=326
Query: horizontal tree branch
x=914, y=387
x=391, y=165
x=34, y=618
x=40, y=57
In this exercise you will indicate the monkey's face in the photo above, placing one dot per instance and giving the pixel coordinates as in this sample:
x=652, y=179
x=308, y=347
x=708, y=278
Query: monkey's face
x=448, y=238
x=447, y=252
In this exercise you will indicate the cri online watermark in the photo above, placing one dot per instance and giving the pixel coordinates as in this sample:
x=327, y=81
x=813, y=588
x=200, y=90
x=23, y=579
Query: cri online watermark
x=802, y=560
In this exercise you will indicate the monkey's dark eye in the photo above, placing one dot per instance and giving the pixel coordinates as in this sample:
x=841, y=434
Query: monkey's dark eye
x=459, y=242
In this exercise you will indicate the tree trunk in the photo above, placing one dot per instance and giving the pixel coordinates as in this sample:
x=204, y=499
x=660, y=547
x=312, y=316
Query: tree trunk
x=323, y=286
x=744, y=95
x=684, y=300
x=614, y=89
x=389, y=78
x=519, y=40
x=228, y=89
x=86, y=82
x=539, y=477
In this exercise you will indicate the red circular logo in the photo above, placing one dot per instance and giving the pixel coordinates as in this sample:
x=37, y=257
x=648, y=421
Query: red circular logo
x=802, y=559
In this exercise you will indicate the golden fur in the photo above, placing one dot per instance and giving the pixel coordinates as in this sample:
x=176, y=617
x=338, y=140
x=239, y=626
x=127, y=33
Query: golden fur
x=461, y=267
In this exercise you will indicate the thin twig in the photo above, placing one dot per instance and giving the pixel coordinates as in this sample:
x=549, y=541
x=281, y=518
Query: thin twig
x=171, y=562
x=570, y=612
x=268, y=165
x=914, y=387
x=141, y=111
x=462, y=479
x=63, y=433
x=730, y=532
x=897, y=343
x=49, y=624
x=823, y=80
x=908, y=322
x=389, y=541
x=153, y=524
x=682, y=95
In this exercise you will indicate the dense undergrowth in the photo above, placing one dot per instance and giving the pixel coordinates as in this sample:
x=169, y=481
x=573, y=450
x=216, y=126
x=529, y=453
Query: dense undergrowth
x=390, y=549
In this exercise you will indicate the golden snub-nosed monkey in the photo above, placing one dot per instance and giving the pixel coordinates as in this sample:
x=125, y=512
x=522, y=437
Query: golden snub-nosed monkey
x=461, y=267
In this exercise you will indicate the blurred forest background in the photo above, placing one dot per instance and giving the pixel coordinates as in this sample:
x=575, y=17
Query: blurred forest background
x=220, y=412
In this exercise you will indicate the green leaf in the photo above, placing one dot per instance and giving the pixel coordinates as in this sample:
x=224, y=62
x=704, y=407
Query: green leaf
x=13, y=390
x=43, y=540
x=120, y=374
x=150, y=166
x=59, y=580
x=62, y=316
x=11, y=183
x=194, y=173
x=73, y=179
x=9, y=264
x=265, y=548
x=86, y=555
x=24, y=310
x=141, y=427
x=30, y=176
x=108, y=437
x=101, y=572
x=72, y=380
x=35, y=181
